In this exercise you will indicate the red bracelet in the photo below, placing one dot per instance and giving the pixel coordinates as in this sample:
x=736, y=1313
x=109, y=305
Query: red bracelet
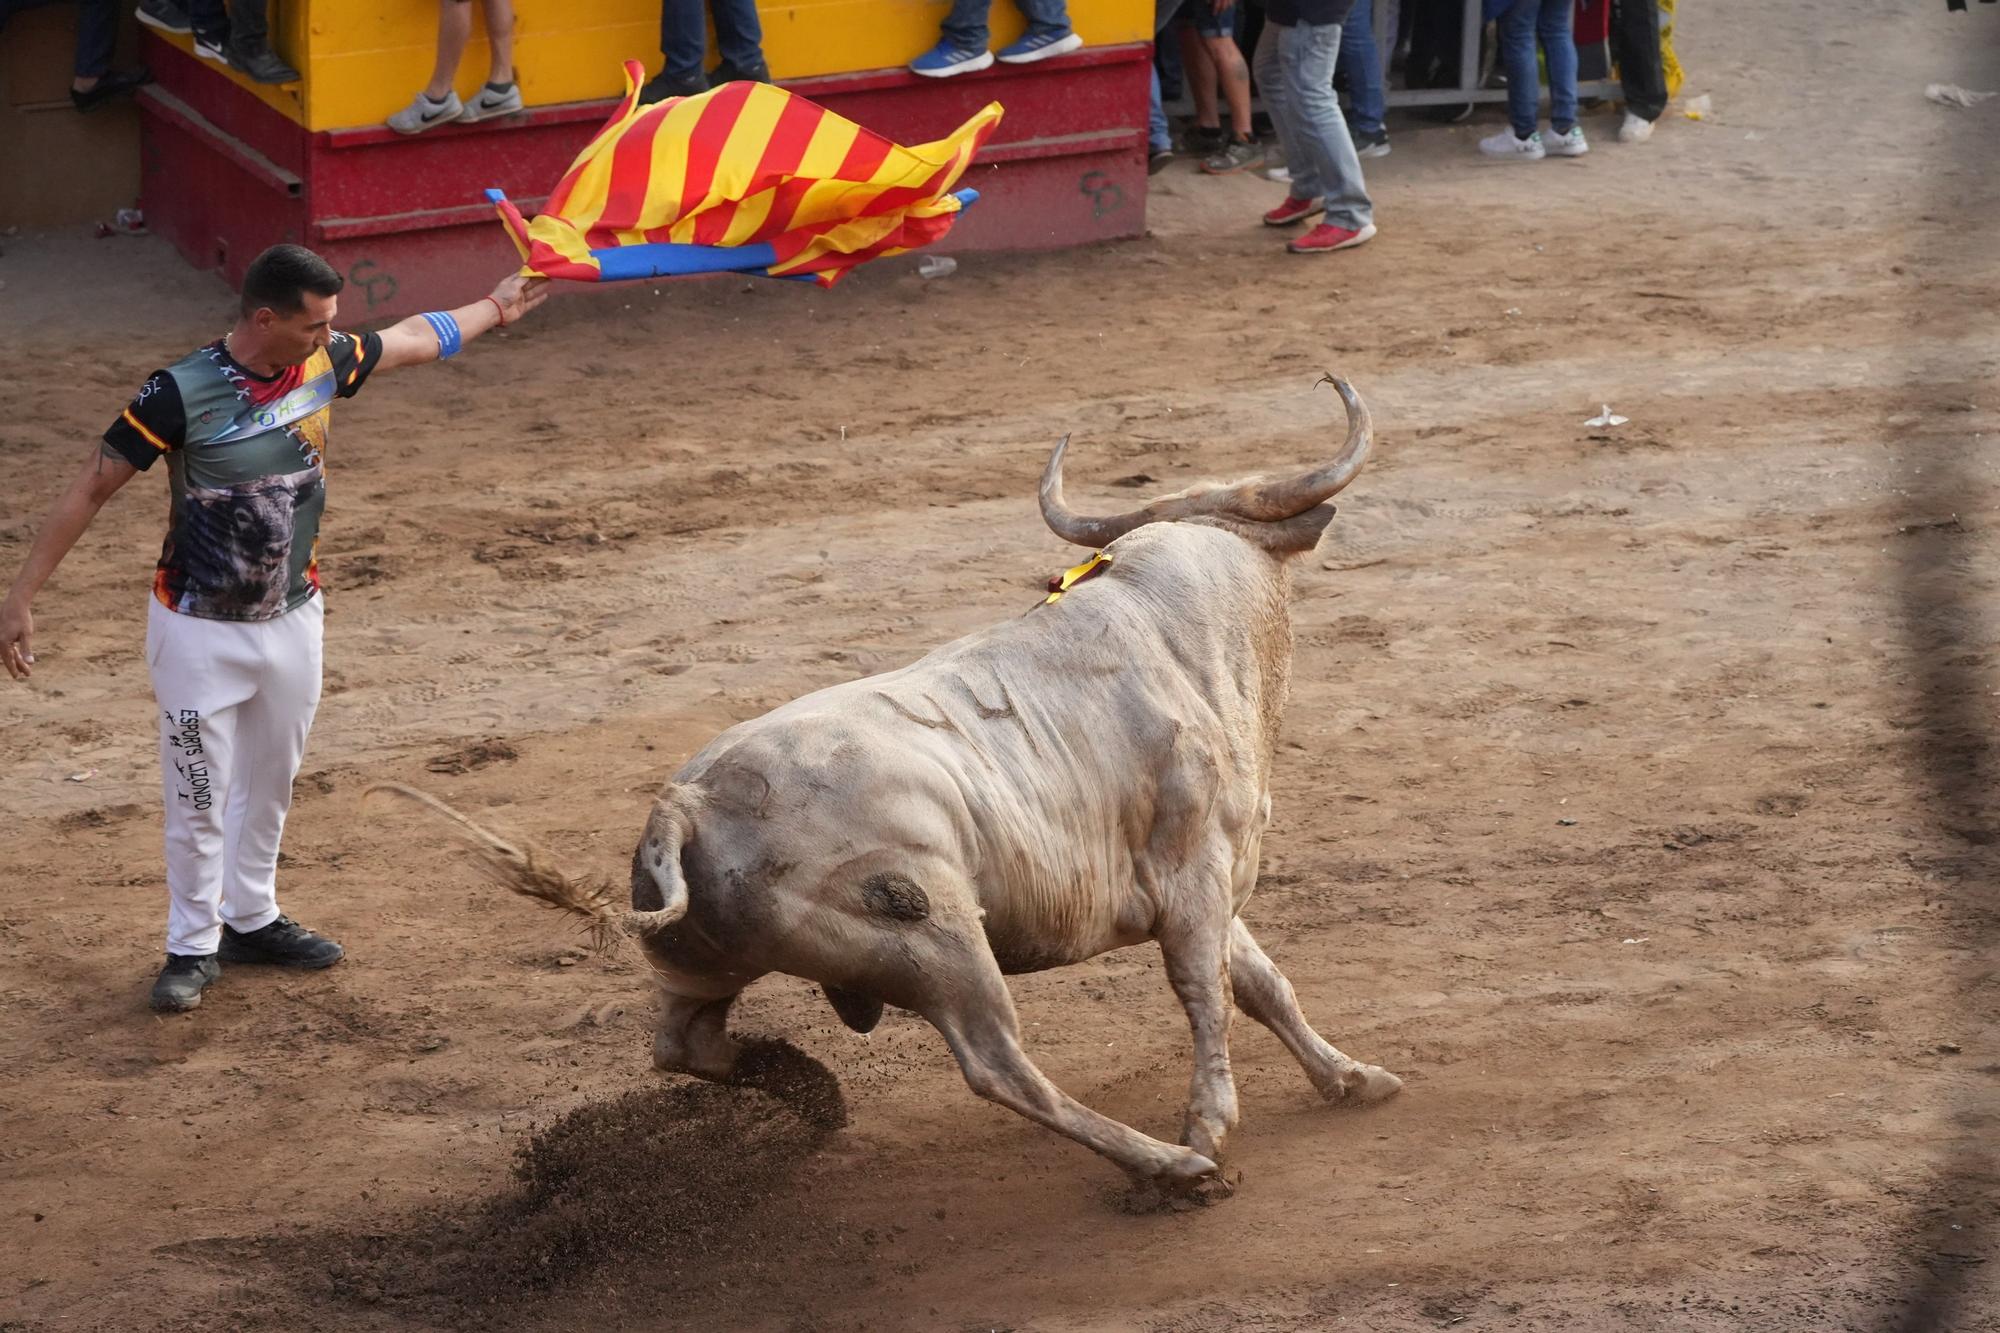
x=497, y=310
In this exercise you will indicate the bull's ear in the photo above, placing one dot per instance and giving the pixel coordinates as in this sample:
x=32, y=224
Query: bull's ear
x=1292, y=536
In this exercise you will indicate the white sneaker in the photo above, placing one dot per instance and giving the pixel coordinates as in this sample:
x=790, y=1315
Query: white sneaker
x=487, y=104
x=1572, y=144
x=1636, y=129
x=423, y=114
x=1506, y=146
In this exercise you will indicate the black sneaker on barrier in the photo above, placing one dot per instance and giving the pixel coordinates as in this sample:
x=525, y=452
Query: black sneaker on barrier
x=284, y=942
x=259, y=61
x=182, y=981
x=660, y=87
x=730, y=72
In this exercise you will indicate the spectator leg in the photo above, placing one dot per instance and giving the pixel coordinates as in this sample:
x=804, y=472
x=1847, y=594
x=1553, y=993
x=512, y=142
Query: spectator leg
x=683, y=39
x=96, y=37
x=1157, y=138
x=738, y=34
x=1517, y=57
x=500, y=42
x=454, y=31
x=965, y=26
x=1269, y=62
x=1361, y=60
x=1556, y=26
x=1310, y=52
x=1635, y=45
x=1046, y=15
x=1234, y=77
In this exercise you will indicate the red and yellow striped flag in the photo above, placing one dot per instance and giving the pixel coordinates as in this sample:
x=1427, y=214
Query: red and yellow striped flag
x=785, y=187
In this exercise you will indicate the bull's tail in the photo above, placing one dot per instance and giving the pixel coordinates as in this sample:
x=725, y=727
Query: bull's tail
x=526, y=869
x=659, y=857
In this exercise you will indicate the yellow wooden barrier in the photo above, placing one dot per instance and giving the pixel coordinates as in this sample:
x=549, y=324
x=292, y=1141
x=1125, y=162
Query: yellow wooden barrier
x=363, y=59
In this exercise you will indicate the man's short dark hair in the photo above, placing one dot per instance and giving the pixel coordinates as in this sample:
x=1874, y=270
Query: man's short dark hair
x=281, y=276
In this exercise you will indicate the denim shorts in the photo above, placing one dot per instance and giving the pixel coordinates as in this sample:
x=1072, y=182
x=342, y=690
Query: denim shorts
x=1201, y=16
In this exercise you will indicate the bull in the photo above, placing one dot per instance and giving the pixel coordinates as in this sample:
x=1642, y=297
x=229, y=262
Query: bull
x=1091, y=775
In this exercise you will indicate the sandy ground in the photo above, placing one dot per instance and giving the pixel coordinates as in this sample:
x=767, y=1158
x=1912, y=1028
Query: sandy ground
x=1611, y=812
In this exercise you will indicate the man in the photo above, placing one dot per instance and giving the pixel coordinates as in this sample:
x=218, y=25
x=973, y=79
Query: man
x=1296, y=55
x=233, y=634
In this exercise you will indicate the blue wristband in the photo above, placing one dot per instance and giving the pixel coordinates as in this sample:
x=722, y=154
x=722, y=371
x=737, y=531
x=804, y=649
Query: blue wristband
x=446, y=328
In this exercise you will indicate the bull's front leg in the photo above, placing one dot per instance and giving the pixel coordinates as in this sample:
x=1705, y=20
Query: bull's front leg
x=970, y=1004
x=1194, y=943
x=1267, y=996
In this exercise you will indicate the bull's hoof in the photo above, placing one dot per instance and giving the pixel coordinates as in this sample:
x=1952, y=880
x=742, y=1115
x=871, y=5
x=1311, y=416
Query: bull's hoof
x=1361, y=1085
x=1188, y=1181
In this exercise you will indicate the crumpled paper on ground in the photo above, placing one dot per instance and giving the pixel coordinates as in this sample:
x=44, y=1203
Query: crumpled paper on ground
x=1950, y=94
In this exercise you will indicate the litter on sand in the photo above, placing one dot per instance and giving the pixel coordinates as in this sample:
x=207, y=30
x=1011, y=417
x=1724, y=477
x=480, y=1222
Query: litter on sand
x=1699, y=108
x=1607, y=418
x=1950, y=94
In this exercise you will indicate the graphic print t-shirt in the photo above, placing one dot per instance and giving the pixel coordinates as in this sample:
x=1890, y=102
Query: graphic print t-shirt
x=244, y=459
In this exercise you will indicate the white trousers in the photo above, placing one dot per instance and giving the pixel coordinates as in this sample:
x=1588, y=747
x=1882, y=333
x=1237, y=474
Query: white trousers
x=236, y=700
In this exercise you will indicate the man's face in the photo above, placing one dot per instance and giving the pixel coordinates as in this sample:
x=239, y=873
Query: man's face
x=294, y=337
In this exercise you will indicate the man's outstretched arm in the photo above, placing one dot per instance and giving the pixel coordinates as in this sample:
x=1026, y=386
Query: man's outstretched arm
x=422, y=338
x=61, y=526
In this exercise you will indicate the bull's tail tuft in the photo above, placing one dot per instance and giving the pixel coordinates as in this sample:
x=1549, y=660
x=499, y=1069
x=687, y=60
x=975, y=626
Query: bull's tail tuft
x=526, y=869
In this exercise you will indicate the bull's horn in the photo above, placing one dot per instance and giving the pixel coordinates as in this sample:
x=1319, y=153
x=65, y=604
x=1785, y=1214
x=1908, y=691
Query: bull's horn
x=1260, y=501
x=1085, y=530
x=1274, y=501
x=1065, y=522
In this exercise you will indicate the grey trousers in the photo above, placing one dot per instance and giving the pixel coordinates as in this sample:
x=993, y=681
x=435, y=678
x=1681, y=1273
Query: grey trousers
x=1294, y=68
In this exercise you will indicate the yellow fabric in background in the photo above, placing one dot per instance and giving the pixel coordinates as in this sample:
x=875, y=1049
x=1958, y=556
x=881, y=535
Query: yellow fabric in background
x=1669, y=64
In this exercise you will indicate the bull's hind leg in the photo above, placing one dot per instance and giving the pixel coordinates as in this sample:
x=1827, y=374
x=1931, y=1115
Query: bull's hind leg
x=969, y=1003
x=1265, y=995
x=692, y=1036
x=1197, y=958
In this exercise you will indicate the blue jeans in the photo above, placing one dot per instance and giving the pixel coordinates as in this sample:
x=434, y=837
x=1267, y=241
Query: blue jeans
x=684, y=36
x=1553, y=21
x=965, y=27
x=1295, y=71
x=1363, y=64
x=1157, y=138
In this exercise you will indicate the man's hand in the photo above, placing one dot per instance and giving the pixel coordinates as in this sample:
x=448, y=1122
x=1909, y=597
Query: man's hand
x=414, y=341
x=17, y=633
x=517, y=295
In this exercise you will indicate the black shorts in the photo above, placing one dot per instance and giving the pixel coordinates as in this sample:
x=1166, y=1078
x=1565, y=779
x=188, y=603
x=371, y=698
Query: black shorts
x=1201, y=16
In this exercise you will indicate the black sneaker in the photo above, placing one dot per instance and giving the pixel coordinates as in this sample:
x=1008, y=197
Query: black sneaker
x=1157, y=160
x=284, y=942
x=182, y=981
x=164, y=15
x=730, y=73
x=1205, y=139
x=1371, y=145
x=1233, y=157
x=260, y=62
x=660, y=88
x=117, y=83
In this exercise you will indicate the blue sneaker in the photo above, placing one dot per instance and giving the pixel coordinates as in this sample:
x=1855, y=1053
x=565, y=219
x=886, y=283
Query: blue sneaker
x=944, y=60
x=1040, y=46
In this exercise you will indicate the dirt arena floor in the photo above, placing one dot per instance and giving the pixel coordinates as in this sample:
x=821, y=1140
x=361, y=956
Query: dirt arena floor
x=1611, y=812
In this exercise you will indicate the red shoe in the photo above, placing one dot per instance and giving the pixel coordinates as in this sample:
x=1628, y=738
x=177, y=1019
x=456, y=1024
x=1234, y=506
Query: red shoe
x=1326, y=238
x=1293, y=210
